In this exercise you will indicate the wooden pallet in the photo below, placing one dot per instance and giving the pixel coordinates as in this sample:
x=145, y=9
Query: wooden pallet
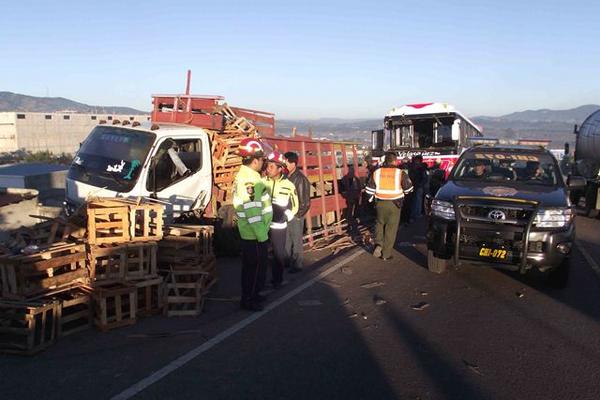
x=150, y=296
x=75, y=312
x=122, y=262
x=27, y=328
x=52, y=267
x=50, y=231
x=113, y=221
x=185, y=292
x=115, y=305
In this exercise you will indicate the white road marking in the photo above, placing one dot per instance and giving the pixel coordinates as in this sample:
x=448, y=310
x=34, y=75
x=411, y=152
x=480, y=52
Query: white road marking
x=189, y=356
x=588, y=258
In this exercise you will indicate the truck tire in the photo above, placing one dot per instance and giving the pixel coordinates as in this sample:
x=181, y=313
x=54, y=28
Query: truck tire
x=227, y=239
x=436, y=265
x=559, y=277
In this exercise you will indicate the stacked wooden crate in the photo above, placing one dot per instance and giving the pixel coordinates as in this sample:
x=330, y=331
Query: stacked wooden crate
x=122, y=236
x=226, y=161
x=188, y=263
x=42, y=297
x=59, y=278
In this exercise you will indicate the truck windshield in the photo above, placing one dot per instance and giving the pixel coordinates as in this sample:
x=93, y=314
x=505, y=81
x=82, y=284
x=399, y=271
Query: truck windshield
x=112, y=157
x=539, y=169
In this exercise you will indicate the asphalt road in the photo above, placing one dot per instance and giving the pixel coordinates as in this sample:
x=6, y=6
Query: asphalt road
x=370, y=329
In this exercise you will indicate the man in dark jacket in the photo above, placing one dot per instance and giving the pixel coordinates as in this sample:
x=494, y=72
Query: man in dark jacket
x=296, y=225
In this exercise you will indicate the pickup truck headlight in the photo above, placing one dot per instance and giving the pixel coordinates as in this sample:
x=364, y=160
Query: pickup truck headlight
x=443, y=209
x=553, y=217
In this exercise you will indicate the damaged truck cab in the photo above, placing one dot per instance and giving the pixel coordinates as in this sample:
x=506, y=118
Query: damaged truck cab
x=505, y=206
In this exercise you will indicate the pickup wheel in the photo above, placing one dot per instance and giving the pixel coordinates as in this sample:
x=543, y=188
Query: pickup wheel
x=559, y=277
x=436, y=265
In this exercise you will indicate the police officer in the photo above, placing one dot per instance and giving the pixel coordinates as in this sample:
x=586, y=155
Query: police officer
x=388, y=184
x=285, y=207
x=252, y=204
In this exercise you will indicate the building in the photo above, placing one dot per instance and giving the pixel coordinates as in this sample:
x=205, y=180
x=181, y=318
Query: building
x=54, y=132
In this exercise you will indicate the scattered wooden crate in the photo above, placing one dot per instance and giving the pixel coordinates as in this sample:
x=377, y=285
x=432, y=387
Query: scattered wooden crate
x=186, y=245
x=150, y=296
x=52, y=267
x=124, y=220
x=185, y=292
x=122, y=262
x=115, y=305
x=27, y=328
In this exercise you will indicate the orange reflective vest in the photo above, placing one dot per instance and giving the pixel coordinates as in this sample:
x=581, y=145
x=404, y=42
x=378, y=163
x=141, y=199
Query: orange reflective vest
x=388, y=184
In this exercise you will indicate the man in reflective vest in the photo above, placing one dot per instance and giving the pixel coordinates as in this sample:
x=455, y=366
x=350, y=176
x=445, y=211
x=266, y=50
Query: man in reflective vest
x=285, y=207
x=388, y=185
x=252, y=204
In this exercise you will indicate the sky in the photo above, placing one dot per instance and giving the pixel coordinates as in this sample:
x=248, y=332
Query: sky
x=309, y=59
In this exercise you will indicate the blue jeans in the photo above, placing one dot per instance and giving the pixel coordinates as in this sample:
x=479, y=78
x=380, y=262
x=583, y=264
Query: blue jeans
x=417, y=203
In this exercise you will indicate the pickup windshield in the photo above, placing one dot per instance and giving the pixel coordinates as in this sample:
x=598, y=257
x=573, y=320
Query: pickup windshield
x=539, y=169
x=112, y=157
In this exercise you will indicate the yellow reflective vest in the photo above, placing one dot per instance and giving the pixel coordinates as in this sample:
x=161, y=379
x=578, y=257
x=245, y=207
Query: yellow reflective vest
x=285, y=201
x=252, y=205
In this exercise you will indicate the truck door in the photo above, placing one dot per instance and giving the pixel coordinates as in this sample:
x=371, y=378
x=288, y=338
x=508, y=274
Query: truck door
x=180, y=174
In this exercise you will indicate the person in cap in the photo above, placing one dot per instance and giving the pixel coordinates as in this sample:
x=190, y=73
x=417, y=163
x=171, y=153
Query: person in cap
x=285, y=207
x=295, y=231
x=478, y=171
x=252, y=204
x=388, y=185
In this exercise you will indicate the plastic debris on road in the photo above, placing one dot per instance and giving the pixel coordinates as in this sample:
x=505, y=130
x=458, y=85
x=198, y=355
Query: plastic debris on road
x=371, y=285
x=420, y=306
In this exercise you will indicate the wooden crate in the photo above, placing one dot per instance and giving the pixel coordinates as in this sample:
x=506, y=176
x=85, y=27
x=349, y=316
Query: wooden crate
x=115, y=305
x=74, y=311
x=27, y=328
x=122, y=262
x=50, y=268
x=50, y=231
x=186, y=245
x=108, y=222
x=124, y=220
x=150, y=296
x=185, y=292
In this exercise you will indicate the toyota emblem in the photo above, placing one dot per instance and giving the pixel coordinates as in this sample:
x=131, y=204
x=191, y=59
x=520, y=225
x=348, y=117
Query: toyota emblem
x=497, y=215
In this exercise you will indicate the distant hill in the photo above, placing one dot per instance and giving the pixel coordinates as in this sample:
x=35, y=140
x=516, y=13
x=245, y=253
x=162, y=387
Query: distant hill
x=556, y=125
x=573, y=115
x=19, y=102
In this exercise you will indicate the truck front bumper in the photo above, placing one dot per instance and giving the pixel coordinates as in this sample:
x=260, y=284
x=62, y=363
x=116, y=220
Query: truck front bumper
x=547, y=248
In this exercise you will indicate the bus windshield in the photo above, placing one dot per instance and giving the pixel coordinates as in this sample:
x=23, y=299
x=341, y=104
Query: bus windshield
x=112, y=157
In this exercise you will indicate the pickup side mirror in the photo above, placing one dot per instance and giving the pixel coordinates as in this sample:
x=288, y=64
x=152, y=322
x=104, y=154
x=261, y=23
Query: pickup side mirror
x=576, y=182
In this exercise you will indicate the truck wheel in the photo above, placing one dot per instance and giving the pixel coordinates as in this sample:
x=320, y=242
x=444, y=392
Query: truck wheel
x=436, y=265
x=227, y=239
x=559, y=277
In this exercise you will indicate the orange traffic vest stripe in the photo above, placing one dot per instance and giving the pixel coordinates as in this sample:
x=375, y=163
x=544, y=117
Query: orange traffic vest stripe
x=388, y=183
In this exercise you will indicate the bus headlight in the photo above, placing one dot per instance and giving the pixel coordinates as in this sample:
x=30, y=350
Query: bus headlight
x=443, y=209
x=553, y=217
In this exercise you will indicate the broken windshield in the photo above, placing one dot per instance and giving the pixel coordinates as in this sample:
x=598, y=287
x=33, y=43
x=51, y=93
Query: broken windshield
x=112, y=157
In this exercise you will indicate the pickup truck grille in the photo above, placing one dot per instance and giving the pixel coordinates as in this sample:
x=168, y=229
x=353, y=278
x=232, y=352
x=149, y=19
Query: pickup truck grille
x=511, y=214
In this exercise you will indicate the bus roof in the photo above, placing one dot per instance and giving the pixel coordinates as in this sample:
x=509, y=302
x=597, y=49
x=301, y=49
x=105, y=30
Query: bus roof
x=425, y=109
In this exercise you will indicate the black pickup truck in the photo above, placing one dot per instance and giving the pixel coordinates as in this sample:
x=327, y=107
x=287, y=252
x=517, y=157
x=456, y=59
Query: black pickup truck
x=505, y=206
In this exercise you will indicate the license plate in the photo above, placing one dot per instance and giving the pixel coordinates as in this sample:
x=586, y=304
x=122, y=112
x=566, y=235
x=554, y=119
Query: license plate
x=496, y=254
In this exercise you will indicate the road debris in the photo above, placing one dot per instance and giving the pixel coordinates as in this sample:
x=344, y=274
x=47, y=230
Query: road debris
x=423, y=293
x=519, y=294
x=346, y=301
x=353, y=315
x=420, y=306
x=330, y=283
x=371, y=285
x=309, y=303
x=346, y=270
x=363, y=315
x=472, y=367
x=379, y=300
